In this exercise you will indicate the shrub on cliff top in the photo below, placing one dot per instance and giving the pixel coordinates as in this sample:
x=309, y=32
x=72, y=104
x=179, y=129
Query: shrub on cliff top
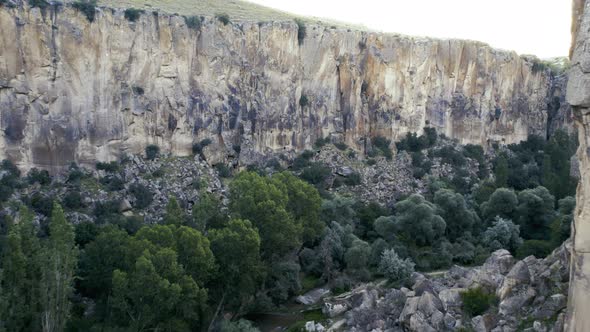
x=133, y=14
x=86, y=7
x=223, y=18
x=193, y=22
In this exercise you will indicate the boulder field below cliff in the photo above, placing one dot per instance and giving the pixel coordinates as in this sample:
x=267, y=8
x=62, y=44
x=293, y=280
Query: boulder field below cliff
x=531, y=295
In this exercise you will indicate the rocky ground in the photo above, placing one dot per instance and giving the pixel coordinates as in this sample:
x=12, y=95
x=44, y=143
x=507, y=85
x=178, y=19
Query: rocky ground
x=531, y=296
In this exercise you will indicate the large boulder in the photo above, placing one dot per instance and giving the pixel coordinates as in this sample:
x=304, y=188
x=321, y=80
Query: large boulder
x=518, y=299
x=451, y=298
x=550, y=306
x=501, y=261
x=313, y=296
x=518, y=275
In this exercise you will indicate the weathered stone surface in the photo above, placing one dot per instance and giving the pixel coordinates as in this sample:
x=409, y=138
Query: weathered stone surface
x=313, y=296
x=578, y=95
x=71, y=90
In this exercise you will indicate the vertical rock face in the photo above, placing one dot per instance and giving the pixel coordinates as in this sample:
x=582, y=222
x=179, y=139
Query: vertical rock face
x=578, y=95
x=71, y=90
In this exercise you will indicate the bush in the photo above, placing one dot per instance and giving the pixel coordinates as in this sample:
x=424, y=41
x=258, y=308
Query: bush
x=143, y=196
x=303, y=101
x=152, y=151
x=354, y=179
x=72, y=200
x=223, y=170
x=382, y=145
x=394, y=268
x=241, y=325
x=198, y=147
x=316, y=173
x=504, y=234
x=133, y=14
x=341, y=146
x=111, y=167
x=320, y=142
x=223, y=18
x=40, y=176
x=537, y=248
x=371, y=162
x=193, y=22
x=301, y=31
x=476, y=301
x=86, y=7
x=113, y=183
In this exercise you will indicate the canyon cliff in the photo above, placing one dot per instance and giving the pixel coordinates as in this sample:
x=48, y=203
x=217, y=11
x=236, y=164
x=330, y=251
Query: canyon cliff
x=74, y=90
x=578, y=95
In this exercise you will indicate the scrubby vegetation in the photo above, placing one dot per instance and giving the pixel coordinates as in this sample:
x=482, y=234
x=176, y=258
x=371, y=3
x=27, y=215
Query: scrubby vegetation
x=285, y=226
x=133, y=14
x=223, y=18
x=86, y=7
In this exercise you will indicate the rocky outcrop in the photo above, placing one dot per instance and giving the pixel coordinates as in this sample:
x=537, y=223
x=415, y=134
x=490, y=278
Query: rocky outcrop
x=578, y=95
x=530, y=295
x=71, y=90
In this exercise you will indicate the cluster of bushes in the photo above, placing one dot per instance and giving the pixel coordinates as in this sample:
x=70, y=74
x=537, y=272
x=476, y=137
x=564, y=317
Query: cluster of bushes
x=86, y=7
x=133, y=14
x=381, y=146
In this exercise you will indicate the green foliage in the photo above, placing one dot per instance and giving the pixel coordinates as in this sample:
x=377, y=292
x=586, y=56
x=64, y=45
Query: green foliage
x=394, y=268
x=143, y=195
x=341, y=146
x=38, y=176
x=112, y=167
x=503, y=202
x=301, y=31
x=535, y=213
x=357, y=256
x=207, y=212
x=86, y=7
x=174, y=213
x=381, y=145
x=223, y=170
x=316, y=173
x=237, y=251
x=449, y=155
x=112, y=183
x=476, y=301
x=353, y=179
x=20, y=278
x=133, y=14
x=537, y=248
x=198, y=147
x=284, y=209
x=72, y=199
x=137, y=90
x=503, y=234
x=320, y=142
x=454, y=210
x=223, y=18
x=58, y=262
x=414, y=143
x=193, y=22
x=416, y=221
x=556, y=165
x=152, y=151
x=501, y=171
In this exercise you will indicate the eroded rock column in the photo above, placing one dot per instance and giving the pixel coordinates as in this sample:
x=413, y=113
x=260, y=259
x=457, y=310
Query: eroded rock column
x=578, y=95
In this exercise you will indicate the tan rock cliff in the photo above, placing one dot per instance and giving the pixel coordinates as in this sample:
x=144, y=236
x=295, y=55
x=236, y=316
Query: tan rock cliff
x=71, y=90
x=578, y=95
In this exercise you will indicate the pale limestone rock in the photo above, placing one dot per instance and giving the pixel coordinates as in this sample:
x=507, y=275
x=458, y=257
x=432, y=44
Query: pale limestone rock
x=578, y=95
x=71, y=90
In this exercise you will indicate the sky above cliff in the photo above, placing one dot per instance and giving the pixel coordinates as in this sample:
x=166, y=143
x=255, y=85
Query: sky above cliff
x=540, y=27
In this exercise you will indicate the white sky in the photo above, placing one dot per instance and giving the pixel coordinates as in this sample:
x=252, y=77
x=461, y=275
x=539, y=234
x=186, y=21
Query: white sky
x=540, y=27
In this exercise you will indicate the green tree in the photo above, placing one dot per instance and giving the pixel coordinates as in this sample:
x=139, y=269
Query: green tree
x=503, y=202
x=58, y=263
x=174, y=213
x=395, y=268
x=535, y=213
x=502, y=235
x=303, y=204
x=20, y=274
x=417, y=222
x=261, y=201
x=501, y=171
x=556, y=165
x=453, y=209
x=237, y=251
x=207, y=212
x=157, y=294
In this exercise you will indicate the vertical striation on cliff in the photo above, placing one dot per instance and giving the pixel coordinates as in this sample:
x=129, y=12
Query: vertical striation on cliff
x=71, y=90
x=578, y=95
